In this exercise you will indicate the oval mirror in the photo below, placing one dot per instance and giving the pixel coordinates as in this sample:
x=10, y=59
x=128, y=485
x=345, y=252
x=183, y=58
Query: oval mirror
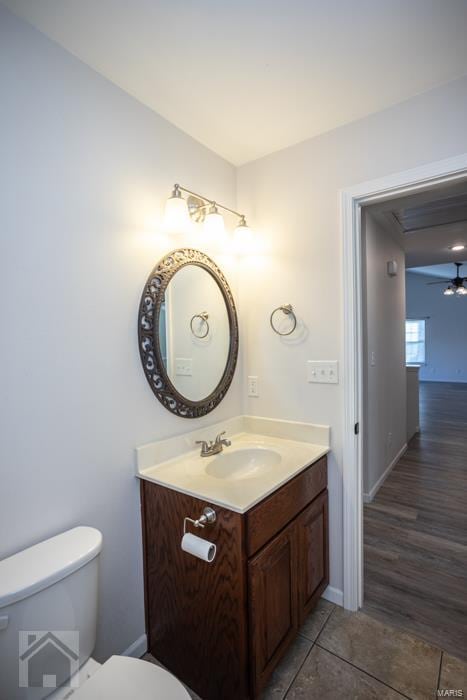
x=188, y=333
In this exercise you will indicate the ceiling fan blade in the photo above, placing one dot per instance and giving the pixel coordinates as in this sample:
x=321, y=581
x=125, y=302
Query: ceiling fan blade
x=441, y=282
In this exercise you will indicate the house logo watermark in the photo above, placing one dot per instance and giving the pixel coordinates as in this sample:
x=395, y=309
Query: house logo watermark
x=48, y=659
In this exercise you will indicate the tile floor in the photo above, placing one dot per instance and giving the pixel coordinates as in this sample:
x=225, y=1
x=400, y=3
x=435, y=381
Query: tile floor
x=352, y=656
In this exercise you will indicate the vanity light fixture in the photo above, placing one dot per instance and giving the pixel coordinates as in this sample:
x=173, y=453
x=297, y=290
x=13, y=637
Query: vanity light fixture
x=176, y=216
x=243, y=237
x=180, y=212
x=214, y=223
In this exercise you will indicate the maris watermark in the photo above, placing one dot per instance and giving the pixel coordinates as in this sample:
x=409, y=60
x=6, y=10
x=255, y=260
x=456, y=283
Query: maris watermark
x=450, y=693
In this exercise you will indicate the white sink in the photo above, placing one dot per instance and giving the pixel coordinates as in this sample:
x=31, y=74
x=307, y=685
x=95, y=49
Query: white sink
x=246, y=463
x=265, y=453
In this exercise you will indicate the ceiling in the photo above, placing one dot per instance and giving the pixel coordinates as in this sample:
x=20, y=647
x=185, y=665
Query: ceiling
x=426, y=224
x=448, y=209
x=248, y=77
x=445, y=272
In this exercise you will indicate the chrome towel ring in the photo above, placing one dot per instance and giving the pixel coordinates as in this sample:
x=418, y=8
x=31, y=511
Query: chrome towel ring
x=288, y=310
x=204, y=320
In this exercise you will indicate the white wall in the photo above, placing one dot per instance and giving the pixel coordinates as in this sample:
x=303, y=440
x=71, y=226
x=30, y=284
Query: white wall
x=85, y=170
x=385, y=424
x=446, y=329
x=292, y=198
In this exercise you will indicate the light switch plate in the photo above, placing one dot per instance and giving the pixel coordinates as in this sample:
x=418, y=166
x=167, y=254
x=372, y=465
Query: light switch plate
x=253, y=386
x=323, y=372
x=183, y=366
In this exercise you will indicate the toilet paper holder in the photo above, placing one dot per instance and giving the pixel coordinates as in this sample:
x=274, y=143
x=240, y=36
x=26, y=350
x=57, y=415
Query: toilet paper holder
x=208, y=517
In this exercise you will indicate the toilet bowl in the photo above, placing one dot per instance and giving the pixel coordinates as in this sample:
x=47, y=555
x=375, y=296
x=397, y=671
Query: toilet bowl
x=48, y=609
x=122, y=677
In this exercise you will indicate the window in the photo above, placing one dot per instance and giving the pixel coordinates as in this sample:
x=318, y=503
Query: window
x=415, y=341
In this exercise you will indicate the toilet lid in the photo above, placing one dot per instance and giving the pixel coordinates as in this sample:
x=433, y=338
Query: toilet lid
x=122, y=677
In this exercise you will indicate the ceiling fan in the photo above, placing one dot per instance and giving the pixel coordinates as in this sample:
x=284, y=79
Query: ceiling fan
x=455, y=285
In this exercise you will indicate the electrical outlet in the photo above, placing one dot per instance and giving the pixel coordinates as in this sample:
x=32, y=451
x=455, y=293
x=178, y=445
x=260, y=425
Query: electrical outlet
x=183, y=366
x=323, y=372
x=253, y=386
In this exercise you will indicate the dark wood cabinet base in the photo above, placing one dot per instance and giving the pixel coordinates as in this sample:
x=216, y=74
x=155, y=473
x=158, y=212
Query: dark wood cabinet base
x=222, y=627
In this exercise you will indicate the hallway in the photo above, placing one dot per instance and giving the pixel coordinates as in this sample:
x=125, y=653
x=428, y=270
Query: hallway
x=415, y=530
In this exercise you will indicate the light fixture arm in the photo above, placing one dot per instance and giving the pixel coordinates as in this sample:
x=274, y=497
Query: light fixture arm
x=208, y=202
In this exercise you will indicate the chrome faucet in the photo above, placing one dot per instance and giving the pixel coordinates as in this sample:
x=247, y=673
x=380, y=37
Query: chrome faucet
x=213, y=447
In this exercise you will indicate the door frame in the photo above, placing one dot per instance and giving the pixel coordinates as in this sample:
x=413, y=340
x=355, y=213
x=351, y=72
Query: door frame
x=351, y=201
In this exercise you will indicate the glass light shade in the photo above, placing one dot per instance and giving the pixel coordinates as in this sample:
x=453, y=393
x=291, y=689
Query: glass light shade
x=176, y=216
x=457, y=246
x=448, y=292
x=461, y=291
x=243, y=239
x=214, y=229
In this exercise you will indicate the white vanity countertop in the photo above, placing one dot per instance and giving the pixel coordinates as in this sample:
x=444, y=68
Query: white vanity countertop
x=269, y=453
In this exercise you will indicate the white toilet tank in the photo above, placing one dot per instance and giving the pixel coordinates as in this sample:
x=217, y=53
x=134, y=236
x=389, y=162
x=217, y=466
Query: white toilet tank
x=48, y=613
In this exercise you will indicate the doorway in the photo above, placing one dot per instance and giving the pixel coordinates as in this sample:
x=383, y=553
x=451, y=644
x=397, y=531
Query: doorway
x=352, y=201
x=415, y=461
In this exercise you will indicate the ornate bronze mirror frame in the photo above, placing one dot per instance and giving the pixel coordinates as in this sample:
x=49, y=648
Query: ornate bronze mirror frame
x=148, y=332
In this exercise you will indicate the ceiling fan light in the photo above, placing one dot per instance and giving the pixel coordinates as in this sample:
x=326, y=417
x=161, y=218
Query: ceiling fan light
x=448, y=292
x=461, y=291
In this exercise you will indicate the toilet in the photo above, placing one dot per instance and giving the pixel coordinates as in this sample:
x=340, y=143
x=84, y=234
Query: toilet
x=48, y=615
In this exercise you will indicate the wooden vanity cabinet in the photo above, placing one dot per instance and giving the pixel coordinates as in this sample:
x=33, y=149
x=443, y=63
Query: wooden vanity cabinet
x=313, y=554
x=273, y=609
x=288, y=575
x=223, y=627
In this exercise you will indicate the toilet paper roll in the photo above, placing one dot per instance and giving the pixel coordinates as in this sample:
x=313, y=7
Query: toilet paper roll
x=198, y=547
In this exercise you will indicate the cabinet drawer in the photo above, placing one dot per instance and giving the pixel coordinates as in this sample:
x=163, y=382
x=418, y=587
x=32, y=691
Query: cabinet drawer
x=271, y=515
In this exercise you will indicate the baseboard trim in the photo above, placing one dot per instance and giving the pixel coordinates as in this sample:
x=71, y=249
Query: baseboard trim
x=138, y=648
x=368, y=497
x=334, y=595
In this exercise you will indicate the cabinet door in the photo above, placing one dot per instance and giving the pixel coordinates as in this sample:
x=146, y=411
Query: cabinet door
x=273, y=604
x=313, y=554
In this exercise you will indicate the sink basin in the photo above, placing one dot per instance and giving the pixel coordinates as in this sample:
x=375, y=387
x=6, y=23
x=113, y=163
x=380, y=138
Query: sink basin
x=244, y=463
